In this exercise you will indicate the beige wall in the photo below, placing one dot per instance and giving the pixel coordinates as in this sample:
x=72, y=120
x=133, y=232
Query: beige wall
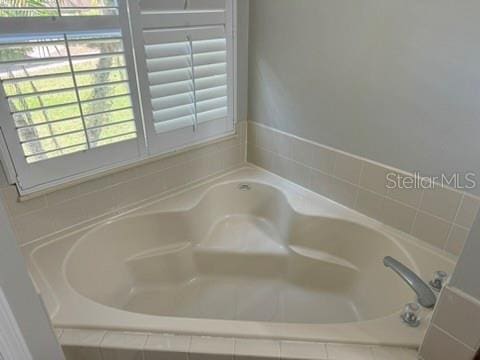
x=394, y=81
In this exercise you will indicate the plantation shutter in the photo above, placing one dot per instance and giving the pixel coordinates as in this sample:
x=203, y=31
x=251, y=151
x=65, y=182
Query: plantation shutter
x=184, y=52
x=72, y=102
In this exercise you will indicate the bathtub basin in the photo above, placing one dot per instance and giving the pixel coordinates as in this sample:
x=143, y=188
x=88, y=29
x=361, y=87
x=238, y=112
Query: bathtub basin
x=245, y=255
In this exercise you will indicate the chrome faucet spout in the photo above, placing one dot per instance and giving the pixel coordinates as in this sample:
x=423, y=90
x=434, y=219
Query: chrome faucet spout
x=425, y=295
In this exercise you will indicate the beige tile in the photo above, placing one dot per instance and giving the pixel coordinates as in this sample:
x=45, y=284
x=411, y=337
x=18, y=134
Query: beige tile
x=81, y=353
x=283, y=144
x=393, y=353
x=468, y=211
x=121, y=354
x=411, y=354
x=256, y=349
x=17, y=208
x=402, y=191
x=342, y=192
x=154, y=167
x=199, y=168
x=438, y=345
x=73, y=337
x=94, y=185
x=167, y=347
x=459, y=315
x=300, y=151
x=139, y=189
x=123, y=346
x=260, y=157
x=281, y=166
x=176, y=177
x=431, y=229
x=373, y=178
x=81, y=344
x=319, y=182
x=369, y=203
x=68, y=213
x=266, y=139
x=456, y=240
x=205, y=348
x=441, y=202
x=215, y=164
x=232, y=157
x=298, y=173
x=323, y=159
x=294, y=350
x=74, y=191
x=97, y=203
x=61, y=195
x=123, y=176
x=347, y=168
x=335, y=189
x=349, y=352
x=398, y=215
x=124, y=340
x=34, y=225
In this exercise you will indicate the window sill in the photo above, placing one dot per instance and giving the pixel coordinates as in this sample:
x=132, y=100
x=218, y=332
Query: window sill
x=81, y=178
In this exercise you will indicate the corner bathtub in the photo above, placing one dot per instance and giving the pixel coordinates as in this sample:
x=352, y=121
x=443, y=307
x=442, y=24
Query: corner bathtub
x=244, y=255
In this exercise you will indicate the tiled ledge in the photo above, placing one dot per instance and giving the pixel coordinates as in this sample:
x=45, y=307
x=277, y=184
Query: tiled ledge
x=107, y=345
x=442, y=217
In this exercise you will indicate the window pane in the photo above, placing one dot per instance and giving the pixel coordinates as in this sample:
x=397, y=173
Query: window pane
x=29, y=8
x=45, y=130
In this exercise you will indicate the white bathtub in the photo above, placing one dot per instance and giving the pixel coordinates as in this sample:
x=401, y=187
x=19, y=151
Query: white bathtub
x=245, y=255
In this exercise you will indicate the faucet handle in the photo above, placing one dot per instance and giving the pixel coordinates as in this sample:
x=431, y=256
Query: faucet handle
x=439, y=280
x=410, y=314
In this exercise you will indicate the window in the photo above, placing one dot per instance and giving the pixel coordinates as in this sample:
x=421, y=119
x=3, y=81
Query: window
x=89, y=84
x=184, y=51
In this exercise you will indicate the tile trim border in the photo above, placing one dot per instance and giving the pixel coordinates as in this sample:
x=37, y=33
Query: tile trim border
x=221, y=348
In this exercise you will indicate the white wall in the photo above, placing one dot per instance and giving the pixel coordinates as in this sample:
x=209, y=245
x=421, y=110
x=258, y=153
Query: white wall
x=394, y=81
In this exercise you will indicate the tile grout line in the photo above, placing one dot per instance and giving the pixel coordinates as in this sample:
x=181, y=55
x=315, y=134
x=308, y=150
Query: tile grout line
x=416, y=208
x=357, y=157
x=453, y=224
x=384, y=197
x=417, y=211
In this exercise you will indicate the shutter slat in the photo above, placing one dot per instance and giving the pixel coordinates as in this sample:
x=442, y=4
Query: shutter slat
x=162, y=77
x=186, y=64
x=60, y=106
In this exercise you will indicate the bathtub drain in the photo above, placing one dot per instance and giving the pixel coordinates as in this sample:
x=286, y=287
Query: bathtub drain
x=244, y=187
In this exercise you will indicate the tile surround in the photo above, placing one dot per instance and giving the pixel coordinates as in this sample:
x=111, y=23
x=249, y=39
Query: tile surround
x=441, y=217
x=439, y=345
x=113, y=345
x=110, y=194
x=459, y=315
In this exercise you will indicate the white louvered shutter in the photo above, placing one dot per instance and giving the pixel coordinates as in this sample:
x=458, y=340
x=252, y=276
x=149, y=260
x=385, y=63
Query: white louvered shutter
x=73, y=105
x=184, y=51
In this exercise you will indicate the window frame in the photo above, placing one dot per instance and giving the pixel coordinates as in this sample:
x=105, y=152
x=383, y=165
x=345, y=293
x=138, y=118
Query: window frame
x=126, y=154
